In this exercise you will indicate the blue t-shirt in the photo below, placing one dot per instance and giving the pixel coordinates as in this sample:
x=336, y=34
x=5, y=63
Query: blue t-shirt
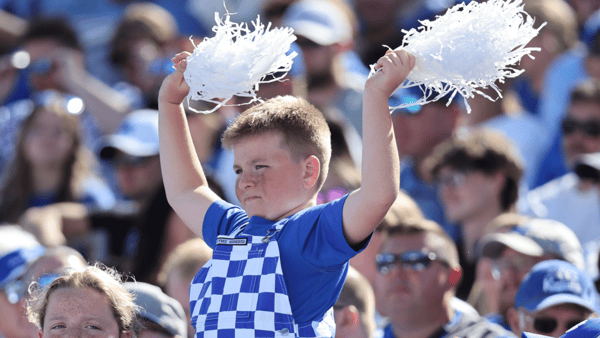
x=314, y=251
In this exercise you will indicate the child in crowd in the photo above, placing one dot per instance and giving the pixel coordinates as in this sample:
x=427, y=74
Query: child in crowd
x=279, y=263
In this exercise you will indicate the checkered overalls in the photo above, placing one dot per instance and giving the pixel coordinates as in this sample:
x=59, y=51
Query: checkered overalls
x=241, y=292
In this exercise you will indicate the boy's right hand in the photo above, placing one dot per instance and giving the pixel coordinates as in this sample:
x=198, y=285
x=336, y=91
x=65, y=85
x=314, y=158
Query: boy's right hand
x=174, y=88
x=393, y=68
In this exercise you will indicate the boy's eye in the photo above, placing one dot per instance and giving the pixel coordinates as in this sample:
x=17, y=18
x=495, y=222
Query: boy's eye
x=238, y=171
x=93, y=327
x=57, y=326
x=260, y=166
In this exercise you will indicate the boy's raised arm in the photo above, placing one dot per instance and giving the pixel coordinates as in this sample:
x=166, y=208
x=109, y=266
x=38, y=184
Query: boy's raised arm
x=185, y=184
x=365, y=208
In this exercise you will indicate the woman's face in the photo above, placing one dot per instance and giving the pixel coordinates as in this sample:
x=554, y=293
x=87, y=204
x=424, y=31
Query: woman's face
x=48, y=141
x=79, y=312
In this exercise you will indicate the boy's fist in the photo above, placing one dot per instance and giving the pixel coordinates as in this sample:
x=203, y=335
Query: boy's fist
x=174, y=88
x=393, y=68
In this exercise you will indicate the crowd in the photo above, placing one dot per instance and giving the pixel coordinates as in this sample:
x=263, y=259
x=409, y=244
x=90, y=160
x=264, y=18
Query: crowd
x=114, y=194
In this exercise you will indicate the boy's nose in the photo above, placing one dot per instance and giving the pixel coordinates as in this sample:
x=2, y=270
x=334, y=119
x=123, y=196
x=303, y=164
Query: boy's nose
x=246, y=181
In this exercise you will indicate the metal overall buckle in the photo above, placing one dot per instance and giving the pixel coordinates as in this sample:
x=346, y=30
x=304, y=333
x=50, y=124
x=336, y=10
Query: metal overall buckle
x=267, y=238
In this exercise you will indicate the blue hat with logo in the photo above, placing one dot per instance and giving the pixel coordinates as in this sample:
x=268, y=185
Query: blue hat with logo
x=587, y=329
x=555, y=282
x=319, y=21
x=137, y=136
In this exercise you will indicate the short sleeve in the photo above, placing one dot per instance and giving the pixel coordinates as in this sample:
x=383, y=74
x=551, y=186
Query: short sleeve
x=221, y=219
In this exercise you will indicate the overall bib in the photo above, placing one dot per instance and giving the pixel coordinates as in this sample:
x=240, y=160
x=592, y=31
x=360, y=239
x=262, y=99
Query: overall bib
x=241, y=292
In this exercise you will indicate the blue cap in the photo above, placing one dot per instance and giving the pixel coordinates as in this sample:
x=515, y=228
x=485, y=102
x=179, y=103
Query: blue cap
x=587, y=329
x=137, y=136
x=591, y=29
x=555, y=282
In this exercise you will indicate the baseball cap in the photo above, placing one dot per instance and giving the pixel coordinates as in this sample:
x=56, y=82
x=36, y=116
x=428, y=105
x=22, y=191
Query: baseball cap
x=137, y=136
x=536, y=237
x=555, y=282
x=159, y=308
x=587, y=329
x=319, y=21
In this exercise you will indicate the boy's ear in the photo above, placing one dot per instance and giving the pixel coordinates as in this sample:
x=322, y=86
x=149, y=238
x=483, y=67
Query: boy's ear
x=312, y=169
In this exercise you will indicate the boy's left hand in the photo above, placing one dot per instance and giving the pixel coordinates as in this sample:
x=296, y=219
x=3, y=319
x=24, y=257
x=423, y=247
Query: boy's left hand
x=393, y=68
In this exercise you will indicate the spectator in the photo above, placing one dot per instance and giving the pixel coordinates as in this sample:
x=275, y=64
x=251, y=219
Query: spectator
x=478, y=174
x=145, y=39
x=140, y=238
x=18, y=250
x=511, y=250
x=178, y=271
x=58, y=63
x=161, y=316
x=554, y=297
x=565, y=199
x=403, y=211
x=324, y=31
x=354, y=311
x=418, y=273
x=418, y=130
x=51, y=164
x=68, y=305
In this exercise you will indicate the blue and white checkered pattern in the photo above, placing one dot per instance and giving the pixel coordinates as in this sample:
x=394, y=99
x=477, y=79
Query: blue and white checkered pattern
x=241, y=292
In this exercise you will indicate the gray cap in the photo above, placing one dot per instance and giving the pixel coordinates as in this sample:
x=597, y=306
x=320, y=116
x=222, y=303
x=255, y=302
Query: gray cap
x=319, y=21
x=159, y=308
x=536, y=238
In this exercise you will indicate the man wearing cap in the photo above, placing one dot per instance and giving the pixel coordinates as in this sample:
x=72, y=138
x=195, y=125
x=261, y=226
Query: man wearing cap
x=567, y=198
x=161, y=315
x=418, y=271
x=554, y=297
x=139, y=237
x=513, y=249
x=18, y=250
x=324, y=29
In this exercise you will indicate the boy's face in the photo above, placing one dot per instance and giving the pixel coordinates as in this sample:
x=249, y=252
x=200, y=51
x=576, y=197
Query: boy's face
x=269, y=182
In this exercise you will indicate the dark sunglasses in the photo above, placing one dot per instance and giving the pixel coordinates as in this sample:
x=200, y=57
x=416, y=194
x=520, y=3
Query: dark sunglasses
x=548, y=325
x=589, y=128
x=306, y=43
x=17, y=290
x=414, y=260
x=130, y=161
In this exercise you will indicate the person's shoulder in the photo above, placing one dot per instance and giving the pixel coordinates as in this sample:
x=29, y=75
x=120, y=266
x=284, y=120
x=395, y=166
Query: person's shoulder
x=554, y=188
x=474, y=326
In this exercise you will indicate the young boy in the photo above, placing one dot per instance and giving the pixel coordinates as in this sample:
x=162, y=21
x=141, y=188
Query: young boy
x=279, y=264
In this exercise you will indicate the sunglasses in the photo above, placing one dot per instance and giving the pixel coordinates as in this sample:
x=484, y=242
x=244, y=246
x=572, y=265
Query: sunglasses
x=548, y=325
x=17, y=290
x=414, y=260
x=589, y=128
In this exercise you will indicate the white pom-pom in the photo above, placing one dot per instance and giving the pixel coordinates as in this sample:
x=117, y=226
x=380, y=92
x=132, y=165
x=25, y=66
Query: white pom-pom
x=469, y=47
x=236, y=60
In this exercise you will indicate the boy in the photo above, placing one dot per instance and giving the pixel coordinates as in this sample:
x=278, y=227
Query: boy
x=281, y=153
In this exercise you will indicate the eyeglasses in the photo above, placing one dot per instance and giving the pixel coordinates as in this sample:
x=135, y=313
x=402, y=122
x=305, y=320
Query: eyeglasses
x=589, y=128
x=130, y=160
x=414, y=260
x=520, y=264
x=453, y=179
x=547, y=325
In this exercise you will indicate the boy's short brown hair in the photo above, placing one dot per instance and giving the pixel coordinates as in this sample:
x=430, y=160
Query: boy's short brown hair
x=302, y=126
x=483, y=150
